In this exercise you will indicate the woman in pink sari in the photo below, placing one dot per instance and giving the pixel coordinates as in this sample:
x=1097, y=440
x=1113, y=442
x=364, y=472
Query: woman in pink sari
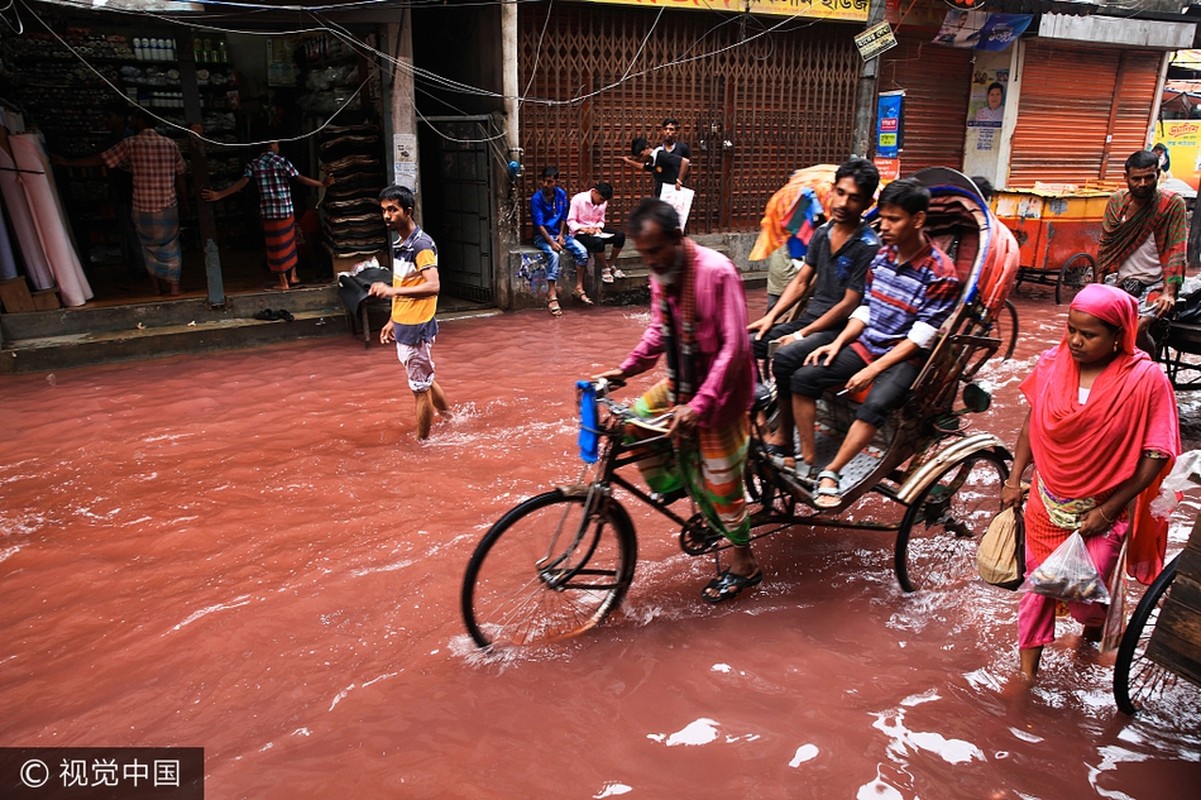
x=1102, y=432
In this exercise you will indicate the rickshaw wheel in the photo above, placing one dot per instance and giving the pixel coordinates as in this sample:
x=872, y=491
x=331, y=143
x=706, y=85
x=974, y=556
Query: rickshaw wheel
x=1137, y=681
x=1076, y=273
x=936, y=544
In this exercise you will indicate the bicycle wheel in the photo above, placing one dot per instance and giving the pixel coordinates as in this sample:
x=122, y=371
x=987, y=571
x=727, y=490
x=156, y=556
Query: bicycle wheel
x=1137, y=681
x=1005, y=328
x=936, y=545
x=544, y=572
x=1076, y=273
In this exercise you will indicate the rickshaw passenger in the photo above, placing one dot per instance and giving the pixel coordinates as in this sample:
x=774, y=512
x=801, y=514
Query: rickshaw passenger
x=835, y=266
x=911, y=290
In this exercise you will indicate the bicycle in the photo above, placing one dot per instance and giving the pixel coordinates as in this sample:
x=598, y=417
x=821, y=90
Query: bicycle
x=558, y=563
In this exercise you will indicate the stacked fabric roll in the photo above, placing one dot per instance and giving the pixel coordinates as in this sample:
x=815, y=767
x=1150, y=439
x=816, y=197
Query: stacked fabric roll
x=353, y=225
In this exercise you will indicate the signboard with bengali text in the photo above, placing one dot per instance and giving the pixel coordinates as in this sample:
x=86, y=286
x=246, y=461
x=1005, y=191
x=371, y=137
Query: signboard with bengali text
x=875, y=40
x=843, y=10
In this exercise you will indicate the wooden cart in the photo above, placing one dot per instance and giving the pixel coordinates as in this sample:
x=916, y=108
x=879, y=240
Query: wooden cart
x=1159, y=660
x=1057, y=229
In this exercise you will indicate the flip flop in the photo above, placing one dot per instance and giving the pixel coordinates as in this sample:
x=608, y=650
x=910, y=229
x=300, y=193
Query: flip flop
x=284, y=314
x=266, y=315
x=729, y=585
x=554, y=308
x=828, y=496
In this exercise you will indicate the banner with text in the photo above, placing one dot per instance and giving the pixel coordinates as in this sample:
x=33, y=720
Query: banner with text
x=842, y=10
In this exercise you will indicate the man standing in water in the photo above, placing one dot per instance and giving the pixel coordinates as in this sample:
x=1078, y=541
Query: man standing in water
x=1144, y=241
x=414, y=293
x=699, y=322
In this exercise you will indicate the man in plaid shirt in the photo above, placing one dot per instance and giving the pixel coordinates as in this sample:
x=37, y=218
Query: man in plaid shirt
x=271, y=173
x=158, y=185
x=910, y=291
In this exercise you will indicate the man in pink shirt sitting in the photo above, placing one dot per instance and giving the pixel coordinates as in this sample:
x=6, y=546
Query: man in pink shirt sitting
x=698, y=321
x=586, y=222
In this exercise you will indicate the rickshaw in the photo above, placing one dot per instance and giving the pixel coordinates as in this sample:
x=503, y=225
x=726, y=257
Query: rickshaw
x=559, y=563
x=1158, y=666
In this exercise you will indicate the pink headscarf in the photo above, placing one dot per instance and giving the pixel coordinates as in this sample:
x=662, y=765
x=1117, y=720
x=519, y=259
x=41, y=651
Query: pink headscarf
x=1088, y=450
x=1111, y=304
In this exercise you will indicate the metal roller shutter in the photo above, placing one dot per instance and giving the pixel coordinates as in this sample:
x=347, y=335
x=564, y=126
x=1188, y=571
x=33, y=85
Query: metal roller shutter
x=938, y=82
x=752, y=112
x=1082, y=111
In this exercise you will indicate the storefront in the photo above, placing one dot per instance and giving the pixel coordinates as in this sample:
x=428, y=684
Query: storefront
x=319, y=93
x=756, y=96
x=936, y=81
x=1081, y=93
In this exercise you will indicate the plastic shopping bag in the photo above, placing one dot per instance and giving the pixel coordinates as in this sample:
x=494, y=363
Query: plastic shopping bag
x=1069, y=574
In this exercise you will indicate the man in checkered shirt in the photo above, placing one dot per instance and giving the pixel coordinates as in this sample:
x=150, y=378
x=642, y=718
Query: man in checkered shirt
x=271, y=173
x=158, y=186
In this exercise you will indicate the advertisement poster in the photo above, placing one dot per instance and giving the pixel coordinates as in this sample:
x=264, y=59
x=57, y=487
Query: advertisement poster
x=1182, y=137
x=888, y=124
x=986, y=111
x=961, y=28
x=1002, y=30
x=981, y=30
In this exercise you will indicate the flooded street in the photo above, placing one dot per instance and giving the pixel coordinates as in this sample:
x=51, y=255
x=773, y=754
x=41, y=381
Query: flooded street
x=251, y=552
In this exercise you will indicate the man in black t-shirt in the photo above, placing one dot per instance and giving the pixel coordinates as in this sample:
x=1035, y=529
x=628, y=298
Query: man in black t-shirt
x=836, y=263
x=669, y=163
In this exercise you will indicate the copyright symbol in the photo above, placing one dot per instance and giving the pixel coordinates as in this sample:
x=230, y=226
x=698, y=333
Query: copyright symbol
x=35, y=773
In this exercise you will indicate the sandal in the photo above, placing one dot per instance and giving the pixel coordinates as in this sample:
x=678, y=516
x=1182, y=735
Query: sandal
x=606, y=276
x=828, y=496
x=554, y=308
x=618, y=273
x=582, y=296
x=729, y=585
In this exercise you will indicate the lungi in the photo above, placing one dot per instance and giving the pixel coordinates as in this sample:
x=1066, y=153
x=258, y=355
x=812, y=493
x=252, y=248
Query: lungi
x=158, y=231
x=280, y=237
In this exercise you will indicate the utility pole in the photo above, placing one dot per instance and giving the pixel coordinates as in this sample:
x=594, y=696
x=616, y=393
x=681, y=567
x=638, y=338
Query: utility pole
x=865, y=97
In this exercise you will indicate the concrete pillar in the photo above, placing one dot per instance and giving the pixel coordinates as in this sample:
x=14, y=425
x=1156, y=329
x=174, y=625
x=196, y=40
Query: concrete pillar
x=403, y=117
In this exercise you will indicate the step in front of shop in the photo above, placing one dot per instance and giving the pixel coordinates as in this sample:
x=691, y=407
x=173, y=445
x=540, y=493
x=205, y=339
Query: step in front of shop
x=43, y=341
x=72, y=337
x=632, y=289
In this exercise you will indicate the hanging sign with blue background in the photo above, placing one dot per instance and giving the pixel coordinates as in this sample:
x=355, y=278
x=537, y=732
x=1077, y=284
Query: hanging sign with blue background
x=888, y=124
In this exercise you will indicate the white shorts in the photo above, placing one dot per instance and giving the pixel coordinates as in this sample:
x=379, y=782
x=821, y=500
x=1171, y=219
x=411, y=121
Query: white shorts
x=418, y=363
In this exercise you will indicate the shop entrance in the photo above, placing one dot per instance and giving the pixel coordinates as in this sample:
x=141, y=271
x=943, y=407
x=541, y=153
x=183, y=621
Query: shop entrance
x=76, y=80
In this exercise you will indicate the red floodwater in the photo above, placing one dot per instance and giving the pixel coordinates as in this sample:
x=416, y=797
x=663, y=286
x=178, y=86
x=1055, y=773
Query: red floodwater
x=252, y=553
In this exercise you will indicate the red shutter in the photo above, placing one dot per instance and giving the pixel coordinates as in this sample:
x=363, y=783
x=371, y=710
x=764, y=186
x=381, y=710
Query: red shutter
x=938, y=82
x=1073, y=99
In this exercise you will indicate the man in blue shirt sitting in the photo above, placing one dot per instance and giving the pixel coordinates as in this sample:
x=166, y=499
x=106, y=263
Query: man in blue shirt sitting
x=548, y=213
